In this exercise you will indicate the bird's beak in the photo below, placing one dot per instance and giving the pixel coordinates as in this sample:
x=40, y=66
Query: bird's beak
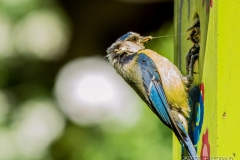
x=196, y=24
x=190, y=29
x=146, y=39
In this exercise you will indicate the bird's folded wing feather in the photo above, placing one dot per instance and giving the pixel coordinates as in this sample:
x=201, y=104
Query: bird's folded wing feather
x=159, y=104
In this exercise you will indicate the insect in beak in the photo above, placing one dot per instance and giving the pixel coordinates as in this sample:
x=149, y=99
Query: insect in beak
x=146, y=39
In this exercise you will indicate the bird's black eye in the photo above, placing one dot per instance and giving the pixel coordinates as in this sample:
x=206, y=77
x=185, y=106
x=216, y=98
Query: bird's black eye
x=133, y=39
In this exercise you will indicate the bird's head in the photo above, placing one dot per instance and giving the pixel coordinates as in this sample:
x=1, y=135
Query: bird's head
x=126, y=45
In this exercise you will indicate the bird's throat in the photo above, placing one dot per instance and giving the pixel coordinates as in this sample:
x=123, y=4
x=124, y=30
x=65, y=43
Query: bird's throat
x=126, y=58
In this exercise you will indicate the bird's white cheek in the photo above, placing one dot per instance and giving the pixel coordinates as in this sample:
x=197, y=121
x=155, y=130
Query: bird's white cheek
x=123, y=48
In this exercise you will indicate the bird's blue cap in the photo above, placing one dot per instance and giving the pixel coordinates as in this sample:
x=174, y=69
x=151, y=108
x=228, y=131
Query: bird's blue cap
x=125, y=36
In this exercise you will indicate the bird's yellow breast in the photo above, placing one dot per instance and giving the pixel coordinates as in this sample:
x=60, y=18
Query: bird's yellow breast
x=172, y=82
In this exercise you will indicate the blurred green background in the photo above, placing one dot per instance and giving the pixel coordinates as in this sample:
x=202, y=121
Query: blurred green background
x=59, y=97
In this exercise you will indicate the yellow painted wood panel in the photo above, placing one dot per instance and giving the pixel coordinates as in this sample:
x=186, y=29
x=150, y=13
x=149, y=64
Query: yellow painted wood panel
x=218, y=69
x=228, y=78
x=210, y=81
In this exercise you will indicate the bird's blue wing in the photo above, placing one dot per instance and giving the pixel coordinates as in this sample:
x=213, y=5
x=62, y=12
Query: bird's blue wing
x=158, y=101
x=153, y=87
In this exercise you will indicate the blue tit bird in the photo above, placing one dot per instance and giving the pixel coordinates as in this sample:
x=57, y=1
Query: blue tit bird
x=157, y=81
